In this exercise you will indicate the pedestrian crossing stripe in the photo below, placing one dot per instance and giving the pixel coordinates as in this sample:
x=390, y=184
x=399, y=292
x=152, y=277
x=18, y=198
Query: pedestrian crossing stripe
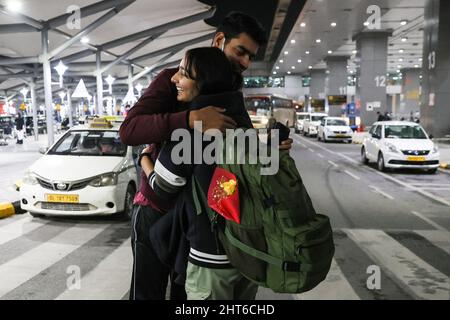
x=109, y=277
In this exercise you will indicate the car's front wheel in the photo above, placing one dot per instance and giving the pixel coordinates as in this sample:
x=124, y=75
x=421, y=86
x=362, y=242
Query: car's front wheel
x=380, y=163
x=324, y=138
x=364, y=158
x=128, y=205
x=432, y=171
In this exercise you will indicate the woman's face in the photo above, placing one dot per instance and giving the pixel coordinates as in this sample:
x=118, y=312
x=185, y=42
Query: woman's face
x=186, y=87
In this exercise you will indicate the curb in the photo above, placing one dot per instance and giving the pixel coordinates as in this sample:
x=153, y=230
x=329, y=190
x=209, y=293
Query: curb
x=8, y=209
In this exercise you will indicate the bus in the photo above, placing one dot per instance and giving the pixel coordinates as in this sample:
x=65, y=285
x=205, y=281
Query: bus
x=262, y=107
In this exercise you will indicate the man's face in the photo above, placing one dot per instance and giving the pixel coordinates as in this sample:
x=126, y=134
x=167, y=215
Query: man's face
x=240, y=51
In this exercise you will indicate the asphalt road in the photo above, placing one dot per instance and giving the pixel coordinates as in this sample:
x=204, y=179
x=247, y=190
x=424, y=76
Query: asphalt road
x=391, y=232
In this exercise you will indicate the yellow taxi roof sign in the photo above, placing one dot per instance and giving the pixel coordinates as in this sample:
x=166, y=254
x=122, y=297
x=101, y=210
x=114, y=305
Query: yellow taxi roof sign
x=100, y=123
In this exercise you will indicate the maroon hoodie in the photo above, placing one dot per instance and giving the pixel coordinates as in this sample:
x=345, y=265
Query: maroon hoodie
x=151, y=121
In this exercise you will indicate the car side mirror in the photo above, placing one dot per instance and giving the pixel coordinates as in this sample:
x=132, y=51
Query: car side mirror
x=374, y=135
x=43, y=150
x=431, y=136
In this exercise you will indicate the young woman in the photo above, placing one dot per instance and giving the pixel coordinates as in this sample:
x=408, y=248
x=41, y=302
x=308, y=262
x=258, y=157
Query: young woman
x=183, y=238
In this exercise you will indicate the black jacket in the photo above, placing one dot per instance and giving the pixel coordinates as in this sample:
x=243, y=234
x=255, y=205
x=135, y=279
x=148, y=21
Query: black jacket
x=182, y=234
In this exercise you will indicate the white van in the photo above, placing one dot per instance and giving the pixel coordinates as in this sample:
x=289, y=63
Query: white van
x=312, y=122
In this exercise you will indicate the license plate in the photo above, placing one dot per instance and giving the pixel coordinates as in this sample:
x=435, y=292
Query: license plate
x=414, y=158
x=68, y=198
x=340, y=135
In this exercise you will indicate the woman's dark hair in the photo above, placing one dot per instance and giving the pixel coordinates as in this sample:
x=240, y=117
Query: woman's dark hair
x=211, y=70
x=236, y=23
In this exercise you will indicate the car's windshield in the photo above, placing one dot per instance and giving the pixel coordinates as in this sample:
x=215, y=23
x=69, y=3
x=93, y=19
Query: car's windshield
x=90, y=143
x=404, y=132
x=301, y=116
x=336, y=122
x=317, y=118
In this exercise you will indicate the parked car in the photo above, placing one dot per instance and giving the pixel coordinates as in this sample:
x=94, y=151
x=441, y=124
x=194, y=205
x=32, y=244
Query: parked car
x=334, y=129
x=299, y=121
x=400, y=144
x=7, y=124
x=88, y=171
x=311, y=123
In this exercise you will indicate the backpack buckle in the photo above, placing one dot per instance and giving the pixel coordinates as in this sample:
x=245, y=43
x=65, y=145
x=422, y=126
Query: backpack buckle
x=291, y=266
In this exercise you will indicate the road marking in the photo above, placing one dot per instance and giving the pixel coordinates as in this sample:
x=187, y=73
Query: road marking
x=352, y=175
x=431, y=184
x=440, y=239
x=319, y=155
x=442, y=170
x=408, y=270
x=19, y=228
x=434, y=224
x=384, y=194
x=332, y=163
x=334, y=287
x=24, y=267
x=312, y=150
x=109, y=280
x=404, y=184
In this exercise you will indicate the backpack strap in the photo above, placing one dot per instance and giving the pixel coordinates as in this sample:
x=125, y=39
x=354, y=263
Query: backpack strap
x=196, y=191
x=284, y=265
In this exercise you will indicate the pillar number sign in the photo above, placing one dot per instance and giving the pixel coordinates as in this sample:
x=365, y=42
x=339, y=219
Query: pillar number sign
x=380, y=81
x=431, y=60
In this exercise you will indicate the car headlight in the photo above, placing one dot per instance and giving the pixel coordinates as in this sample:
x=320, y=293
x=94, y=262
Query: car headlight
x=108, y=179
x=392, y=148
x=435, y=149
x=29, y=178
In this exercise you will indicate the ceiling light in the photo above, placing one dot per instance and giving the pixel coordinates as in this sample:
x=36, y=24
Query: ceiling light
x=288, y=72
x=299, y=60
x=330, y=52
x=351, y=71
x=366, y=23
x=286, y=52
x=420, y=77
x=277, y=67
x=420, y=59
x=292, y=41
x=404, y=22
x=404, y=39
x=318, y=41
x=399, y=66
x=401, y=51
x=307, y=52
x=398, y=70
x=14, y=6
x=354, y=51
x=84, y=40
x=302, y=24
x=293, y=67
x=333, y=24
x=400, y=59
x=274, y=72
x=281, y=60
x=310, y=67
x=416, y=66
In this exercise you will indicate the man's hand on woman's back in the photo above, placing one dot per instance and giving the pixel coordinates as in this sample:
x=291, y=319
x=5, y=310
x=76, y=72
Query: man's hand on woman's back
x=211, y=118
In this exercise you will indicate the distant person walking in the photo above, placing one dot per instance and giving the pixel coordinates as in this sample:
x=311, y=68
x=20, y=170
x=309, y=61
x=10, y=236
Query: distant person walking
x=19, y=128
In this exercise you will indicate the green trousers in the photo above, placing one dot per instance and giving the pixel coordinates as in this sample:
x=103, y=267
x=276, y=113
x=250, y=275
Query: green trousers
x=218, y=284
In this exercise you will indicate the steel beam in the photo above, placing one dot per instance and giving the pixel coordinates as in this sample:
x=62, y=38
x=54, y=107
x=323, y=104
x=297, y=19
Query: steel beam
x=17, y=28
x=19, y=60
x=87, y=11
x=129, y=53
x=86, y=31
x=23, y=18
x=160, y=29
x=153, y=67
x=176, y=47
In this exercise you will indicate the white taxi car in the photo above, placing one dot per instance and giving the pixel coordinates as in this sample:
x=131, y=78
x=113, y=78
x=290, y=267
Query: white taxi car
x=334, y=129
x=399, y=144
x=88, y=171
x=311, y=123
x=300, y=118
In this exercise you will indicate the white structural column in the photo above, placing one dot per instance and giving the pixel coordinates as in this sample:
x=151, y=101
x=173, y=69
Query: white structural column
x=69, y=105
x=47, y=87
x=99, y=104
x=35, y=108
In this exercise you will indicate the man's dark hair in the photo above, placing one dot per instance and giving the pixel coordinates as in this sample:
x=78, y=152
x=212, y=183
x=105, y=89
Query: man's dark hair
x=236, y=23
x=211, y=70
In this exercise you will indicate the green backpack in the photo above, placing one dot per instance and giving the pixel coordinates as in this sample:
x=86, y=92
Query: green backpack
x=280, y=243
